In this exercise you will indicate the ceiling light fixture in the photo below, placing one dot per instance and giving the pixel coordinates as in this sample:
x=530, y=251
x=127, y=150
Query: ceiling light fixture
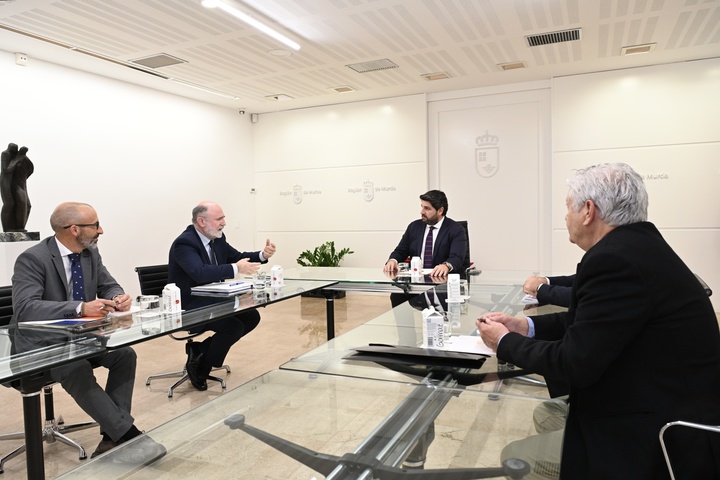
x=343, y=89
x=279, y=97
x=637, y=49
x=511, y=66
x=204, y=89
x=435, y=76
x=251, y=21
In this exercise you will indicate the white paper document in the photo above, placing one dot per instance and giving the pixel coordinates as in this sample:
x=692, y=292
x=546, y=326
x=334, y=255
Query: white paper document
x=529, y=300
x=467, y=344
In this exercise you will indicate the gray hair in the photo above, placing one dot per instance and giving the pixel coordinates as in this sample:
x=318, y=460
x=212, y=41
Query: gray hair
x=198, y=211
x=66, y=214
x=616, y=189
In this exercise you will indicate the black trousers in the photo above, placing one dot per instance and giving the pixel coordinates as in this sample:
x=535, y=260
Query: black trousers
x=227, y=332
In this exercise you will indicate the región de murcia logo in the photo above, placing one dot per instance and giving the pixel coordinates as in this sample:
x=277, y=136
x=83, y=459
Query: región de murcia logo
x=487, y=155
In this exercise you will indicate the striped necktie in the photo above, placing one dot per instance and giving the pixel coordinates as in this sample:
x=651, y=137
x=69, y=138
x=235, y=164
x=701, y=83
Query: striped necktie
x=427, y=253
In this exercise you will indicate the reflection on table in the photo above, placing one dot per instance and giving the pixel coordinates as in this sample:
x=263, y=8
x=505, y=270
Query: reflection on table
x=403, y=326
x=364, y=279
x=146, y=325
x=25, y=364
x=343, y=422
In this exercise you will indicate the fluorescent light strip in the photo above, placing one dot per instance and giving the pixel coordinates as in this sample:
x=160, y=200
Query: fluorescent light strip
x=207, y=90
x=252, y=22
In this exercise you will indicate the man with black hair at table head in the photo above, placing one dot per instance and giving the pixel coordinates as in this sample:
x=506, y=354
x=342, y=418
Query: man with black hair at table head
x=438, y=240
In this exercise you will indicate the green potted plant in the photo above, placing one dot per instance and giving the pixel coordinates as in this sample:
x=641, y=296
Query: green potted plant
x=326, y=255
x=323, y=256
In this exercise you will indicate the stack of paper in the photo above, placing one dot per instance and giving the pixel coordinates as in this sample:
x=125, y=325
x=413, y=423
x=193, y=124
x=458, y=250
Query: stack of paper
x=228, y=287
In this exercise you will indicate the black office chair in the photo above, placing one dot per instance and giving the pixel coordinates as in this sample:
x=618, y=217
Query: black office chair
x=707, y=289
x=680, y=423
x=468, y=268
x=153, y=279
x=54, y=428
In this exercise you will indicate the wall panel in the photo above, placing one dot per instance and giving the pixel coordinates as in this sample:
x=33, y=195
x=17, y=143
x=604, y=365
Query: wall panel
x=350, y=173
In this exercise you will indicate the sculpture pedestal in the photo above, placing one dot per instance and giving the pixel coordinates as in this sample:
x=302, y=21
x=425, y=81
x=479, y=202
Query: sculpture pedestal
x=12, y=244
x=19, y=236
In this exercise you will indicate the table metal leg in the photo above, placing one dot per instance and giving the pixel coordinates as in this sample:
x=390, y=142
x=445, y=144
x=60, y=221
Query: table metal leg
x=330, y=312
x=33, y=436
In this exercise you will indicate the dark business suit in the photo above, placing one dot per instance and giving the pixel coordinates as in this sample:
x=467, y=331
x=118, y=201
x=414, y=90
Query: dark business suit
x=639, y=347
x=558, y=292
x=450, y=246
x=188, y=266
x=40, y=292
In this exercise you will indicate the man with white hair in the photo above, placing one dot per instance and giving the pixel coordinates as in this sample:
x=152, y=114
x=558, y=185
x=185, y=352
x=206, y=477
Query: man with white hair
x=639, y=345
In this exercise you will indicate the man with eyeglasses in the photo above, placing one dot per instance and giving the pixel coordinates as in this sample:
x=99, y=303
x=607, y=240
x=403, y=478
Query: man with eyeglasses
x=201, y=255
x=64, y=277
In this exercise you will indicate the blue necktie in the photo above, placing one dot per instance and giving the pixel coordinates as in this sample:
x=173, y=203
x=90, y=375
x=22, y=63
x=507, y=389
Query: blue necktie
x=427, y=253
x=213, y=257
x=78, y=284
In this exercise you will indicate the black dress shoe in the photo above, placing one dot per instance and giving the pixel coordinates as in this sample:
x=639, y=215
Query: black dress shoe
x=104, y=446
x=194, y=368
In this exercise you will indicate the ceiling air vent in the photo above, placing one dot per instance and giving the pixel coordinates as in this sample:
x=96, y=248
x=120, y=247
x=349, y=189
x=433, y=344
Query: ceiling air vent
x=157, y=61
x=554, y=37
x=372, y=66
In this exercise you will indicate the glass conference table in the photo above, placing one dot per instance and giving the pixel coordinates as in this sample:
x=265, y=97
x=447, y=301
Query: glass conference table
x=348, y=355
x=143, y=326
x=25, y=363
x=289, y=425
x=28, y=354
x=375, y=280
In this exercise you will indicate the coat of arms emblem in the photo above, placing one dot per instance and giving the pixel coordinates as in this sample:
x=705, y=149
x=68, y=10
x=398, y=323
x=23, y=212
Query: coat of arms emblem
x=487, y=155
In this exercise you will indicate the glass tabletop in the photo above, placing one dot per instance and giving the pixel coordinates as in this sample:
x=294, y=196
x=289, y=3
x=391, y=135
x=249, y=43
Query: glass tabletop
x=355, y=277
x=145, y=325
x=359, y=278
x=24, y=353
x=330, y=427
x=403, y=326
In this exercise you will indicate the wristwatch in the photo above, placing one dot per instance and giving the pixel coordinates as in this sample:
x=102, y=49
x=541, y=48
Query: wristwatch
x=449, y=265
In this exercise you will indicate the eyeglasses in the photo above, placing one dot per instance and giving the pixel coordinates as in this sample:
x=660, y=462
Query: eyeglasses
x=96, y=225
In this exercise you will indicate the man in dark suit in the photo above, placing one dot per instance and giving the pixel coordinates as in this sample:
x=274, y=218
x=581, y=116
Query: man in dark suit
x=201, y=255
x=439, y=241
x=46, y=286
x=555, y=290
x=639, y=345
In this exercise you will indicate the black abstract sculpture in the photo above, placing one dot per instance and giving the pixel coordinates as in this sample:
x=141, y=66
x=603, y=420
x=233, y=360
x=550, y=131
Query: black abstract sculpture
x=16, y=167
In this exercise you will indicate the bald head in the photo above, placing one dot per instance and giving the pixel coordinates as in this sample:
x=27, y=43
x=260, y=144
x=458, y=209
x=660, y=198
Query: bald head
x=76, y=226
x=69, y=213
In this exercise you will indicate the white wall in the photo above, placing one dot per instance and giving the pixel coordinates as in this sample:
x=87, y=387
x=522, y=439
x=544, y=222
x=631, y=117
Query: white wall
x=142, y=158
x=661, y=120
x=490, y=153
x=349, y=173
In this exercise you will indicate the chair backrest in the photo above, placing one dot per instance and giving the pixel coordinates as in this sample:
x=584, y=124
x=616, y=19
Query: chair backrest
x=153, y=279
x=6, y=308
x=467, y=262
x=707, y=289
